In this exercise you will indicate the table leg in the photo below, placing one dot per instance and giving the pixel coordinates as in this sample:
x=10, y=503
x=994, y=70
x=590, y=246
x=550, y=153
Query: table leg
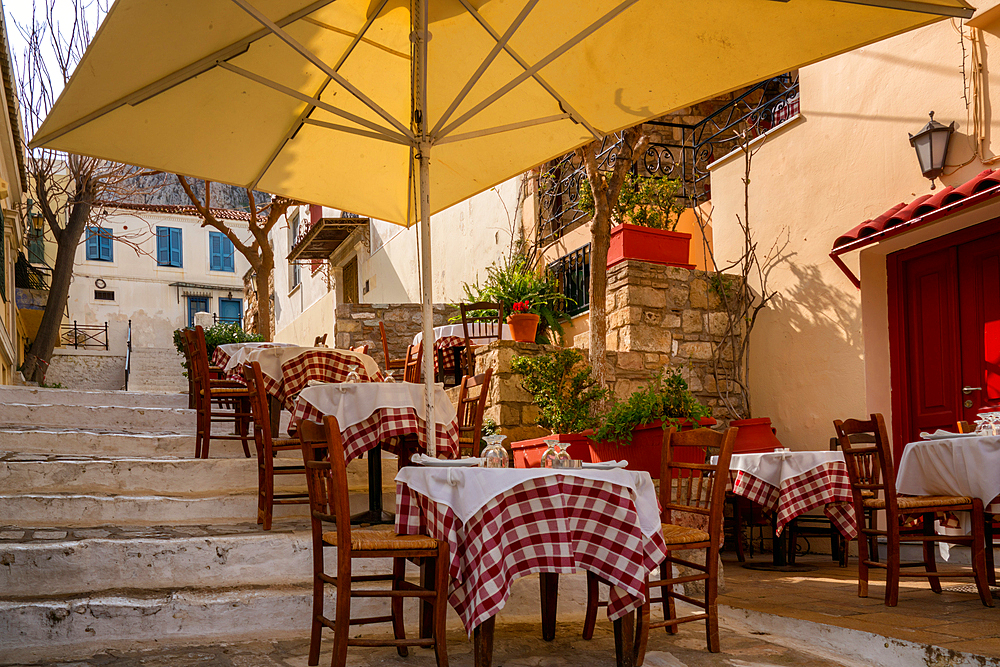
x=482, y=643
x=374, y=515
x=427, y=571
x=458, y=352
x=779, y=561
x=548, y=585
x=625, y=640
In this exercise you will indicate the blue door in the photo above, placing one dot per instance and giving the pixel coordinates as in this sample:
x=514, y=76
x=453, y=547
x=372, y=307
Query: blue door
x=231, y=310
x=196, y=304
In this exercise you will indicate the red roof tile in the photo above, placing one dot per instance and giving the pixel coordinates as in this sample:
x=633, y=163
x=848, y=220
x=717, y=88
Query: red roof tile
x=219, y=213
x=924, y=206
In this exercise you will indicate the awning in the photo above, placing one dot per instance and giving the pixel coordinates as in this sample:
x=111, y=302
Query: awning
x=921, y=211
x=324, y=237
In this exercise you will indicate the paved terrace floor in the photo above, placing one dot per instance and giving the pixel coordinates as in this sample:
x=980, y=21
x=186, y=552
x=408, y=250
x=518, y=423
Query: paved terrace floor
x=829, y=595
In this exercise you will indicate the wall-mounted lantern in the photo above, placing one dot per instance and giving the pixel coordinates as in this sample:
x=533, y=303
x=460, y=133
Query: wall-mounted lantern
x=931, y=144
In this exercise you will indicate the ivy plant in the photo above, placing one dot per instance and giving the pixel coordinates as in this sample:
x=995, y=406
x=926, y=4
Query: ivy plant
x=219, y=334
x=665, y=399
x=563, y=389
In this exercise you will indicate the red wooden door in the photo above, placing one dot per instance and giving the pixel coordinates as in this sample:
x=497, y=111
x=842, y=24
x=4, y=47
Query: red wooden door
x=979, y=299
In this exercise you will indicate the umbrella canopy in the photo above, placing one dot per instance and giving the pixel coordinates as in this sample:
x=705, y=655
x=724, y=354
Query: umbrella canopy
x=401, y=108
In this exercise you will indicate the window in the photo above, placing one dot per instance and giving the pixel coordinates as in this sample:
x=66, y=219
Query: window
x=99, y=244
x=231, y=310
x=36, y=245
x=196, y=304
x=294, y=274
x=222, y=252
x=572, y=271
x=104, y=295
x=168, y=247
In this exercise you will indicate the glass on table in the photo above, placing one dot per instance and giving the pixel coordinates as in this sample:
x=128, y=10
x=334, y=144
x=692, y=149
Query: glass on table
x=494, y=455
x=353, y=374
x=553, y=452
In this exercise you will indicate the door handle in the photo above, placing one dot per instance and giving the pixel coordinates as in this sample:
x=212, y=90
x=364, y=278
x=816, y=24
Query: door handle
x=969, y=390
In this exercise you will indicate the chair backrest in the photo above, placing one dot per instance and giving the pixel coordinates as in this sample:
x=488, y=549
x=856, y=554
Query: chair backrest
x=481, y=327
x=965, y=427
x=385, y=344
x=258, y=406
x=195, y=339
x=414, y=354
x=320, y=341
x=360, y=349
x=869, y=459
x=696, y=488
x=326, y=479
x=471, y=406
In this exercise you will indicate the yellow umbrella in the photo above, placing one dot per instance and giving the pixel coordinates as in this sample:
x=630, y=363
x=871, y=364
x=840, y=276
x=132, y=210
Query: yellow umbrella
x=401, y=108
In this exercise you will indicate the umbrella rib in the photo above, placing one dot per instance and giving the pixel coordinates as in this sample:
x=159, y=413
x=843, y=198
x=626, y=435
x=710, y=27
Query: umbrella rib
x=353, y=130
x=574, y=114
x=503, y=128
x=531, y=71
x=320, y=104
x=911, y=6
x=180, y=76
x=501, y=45
x=318, y=62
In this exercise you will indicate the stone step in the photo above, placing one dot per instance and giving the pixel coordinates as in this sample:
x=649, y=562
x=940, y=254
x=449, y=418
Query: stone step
x=112, y=418
x=161, y=368
x=126, y=399
x=100, y=442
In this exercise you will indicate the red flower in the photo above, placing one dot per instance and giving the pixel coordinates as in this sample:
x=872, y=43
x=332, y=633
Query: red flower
x=521, y=306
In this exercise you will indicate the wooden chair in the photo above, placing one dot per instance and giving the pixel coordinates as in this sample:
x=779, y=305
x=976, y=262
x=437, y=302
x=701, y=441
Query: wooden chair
x=965, y=427
x=320, y=341
x=479, y=328
x=411, y=365
x=390, y=364
x=216, y=401
x=470, y=412
x=685, y=488
x=360, y=349
x=326, y=478
x=214, y=371
x=873, y=479
x=267, y=449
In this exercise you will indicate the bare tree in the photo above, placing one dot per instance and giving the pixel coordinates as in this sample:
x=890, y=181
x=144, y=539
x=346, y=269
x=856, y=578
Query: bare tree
x=605, y=191
x=66, y=188
x=258, y=252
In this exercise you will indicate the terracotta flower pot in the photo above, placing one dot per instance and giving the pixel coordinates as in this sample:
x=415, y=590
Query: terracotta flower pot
x=755, y=436
x=647, y=446
x=646, y=244
x=523, y=326
x=528, y=453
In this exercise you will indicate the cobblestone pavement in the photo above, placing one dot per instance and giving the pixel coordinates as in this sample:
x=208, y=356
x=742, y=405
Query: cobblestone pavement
x=517, y=644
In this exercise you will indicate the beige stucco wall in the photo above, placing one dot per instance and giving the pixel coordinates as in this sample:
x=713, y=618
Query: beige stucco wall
x=845, y=160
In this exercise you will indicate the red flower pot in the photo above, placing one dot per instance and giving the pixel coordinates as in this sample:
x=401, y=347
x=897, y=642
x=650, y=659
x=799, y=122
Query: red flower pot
x=528, y=453
x=649, y=245
x=523, y=326
x=755, y=436
x=647, y=447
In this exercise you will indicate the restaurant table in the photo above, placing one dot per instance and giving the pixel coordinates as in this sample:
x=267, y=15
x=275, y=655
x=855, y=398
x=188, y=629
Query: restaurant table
x=504, y=523
x=449, y=341
x=223, y=353
x=792, y=483
x=373, y=415
x=962, y=465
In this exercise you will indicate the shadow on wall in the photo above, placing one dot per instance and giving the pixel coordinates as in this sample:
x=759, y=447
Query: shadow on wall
x=812, y=359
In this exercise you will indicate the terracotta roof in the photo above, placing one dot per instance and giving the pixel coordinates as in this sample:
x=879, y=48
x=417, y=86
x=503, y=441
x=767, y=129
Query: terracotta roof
x=220, y=213
x=923, y=209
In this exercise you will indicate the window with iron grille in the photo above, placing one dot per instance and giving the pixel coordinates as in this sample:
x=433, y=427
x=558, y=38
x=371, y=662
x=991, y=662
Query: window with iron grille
x=573, y=273
x=104, y=295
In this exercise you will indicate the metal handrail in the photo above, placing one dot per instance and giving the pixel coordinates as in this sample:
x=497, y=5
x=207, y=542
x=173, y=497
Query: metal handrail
x=128, y=354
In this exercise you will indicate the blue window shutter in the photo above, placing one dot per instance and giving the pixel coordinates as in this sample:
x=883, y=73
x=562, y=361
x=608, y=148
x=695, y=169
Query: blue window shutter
x=163, y=246
x=228, y=256
x=215, y=249
x=93, y=249
x=105, y=240
x=176, y=248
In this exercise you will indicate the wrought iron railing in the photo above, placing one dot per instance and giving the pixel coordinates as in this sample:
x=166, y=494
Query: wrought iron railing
x=686, y=157
x=238, y=321
x=572, y=271
x=128, y=354
x=84, y=336
x=27, y=276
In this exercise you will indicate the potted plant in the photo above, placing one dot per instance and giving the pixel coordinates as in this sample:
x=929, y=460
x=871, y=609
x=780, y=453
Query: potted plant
x=565, y=393
x=523, y=323
x=633, y=429
x=644, y=221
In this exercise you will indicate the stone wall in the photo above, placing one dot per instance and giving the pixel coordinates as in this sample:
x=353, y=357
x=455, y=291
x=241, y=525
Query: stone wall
x=86, y=369
x=508, y=405
x=357, y=324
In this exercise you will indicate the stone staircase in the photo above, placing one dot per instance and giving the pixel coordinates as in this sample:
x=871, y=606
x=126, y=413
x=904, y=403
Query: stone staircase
x=111, y=535
x=156, y=369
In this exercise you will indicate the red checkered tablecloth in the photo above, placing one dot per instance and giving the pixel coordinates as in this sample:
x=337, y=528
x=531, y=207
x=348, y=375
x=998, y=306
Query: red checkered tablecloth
x=826, y=485
x=445, y=344
x=382, y=427
x=328, y=365
x=557, y=523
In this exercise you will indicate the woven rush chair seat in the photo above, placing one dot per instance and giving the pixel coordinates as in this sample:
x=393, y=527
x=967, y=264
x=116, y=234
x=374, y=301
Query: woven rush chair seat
x=227, y=391
x=674, y=534
x=377, y=538
x=907, y=502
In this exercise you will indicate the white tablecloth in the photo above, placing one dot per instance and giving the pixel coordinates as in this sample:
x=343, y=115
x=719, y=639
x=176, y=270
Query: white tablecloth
x=271, y=359
x=352, y=403
x=232, y=349
x=457, y=330
x=960, y=466
x=778, y=467
x=467, y=490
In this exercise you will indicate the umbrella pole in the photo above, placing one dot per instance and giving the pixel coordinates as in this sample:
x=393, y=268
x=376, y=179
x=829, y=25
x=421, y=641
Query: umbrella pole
x=428, y=307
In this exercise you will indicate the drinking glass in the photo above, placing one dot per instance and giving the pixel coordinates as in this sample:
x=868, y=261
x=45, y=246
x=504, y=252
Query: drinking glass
x=494, y=455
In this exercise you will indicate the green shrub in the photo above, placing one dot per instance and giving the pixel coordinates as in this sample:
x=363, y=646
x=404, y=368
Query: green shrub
x=648, y=201
x=222, y=333
x=563, y=389
x=666, y=399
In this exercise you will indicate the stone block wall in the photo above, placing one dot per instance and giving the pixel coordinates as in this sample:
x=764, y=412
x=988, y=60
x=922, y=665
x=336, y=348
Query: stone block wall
x=357, y=324
x=511, y=407
x=90, y=370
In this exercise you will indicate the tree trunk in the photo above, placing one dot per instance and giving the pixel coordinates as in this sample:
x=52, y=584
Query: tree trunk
x=263, y=279
x=36, y=362
x=600, y=241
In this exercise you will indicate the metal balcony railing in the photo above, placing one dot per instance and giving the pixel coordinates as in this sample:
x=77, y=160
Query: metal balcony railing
x=27, y=276
x=84, y=336
x=572, y=271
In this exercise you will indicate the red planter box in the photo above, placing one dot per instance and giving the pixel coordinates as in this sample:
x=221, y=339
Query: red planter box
x=755, y=436
x=649, y=245
x=528, y=453
x=647, y=446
